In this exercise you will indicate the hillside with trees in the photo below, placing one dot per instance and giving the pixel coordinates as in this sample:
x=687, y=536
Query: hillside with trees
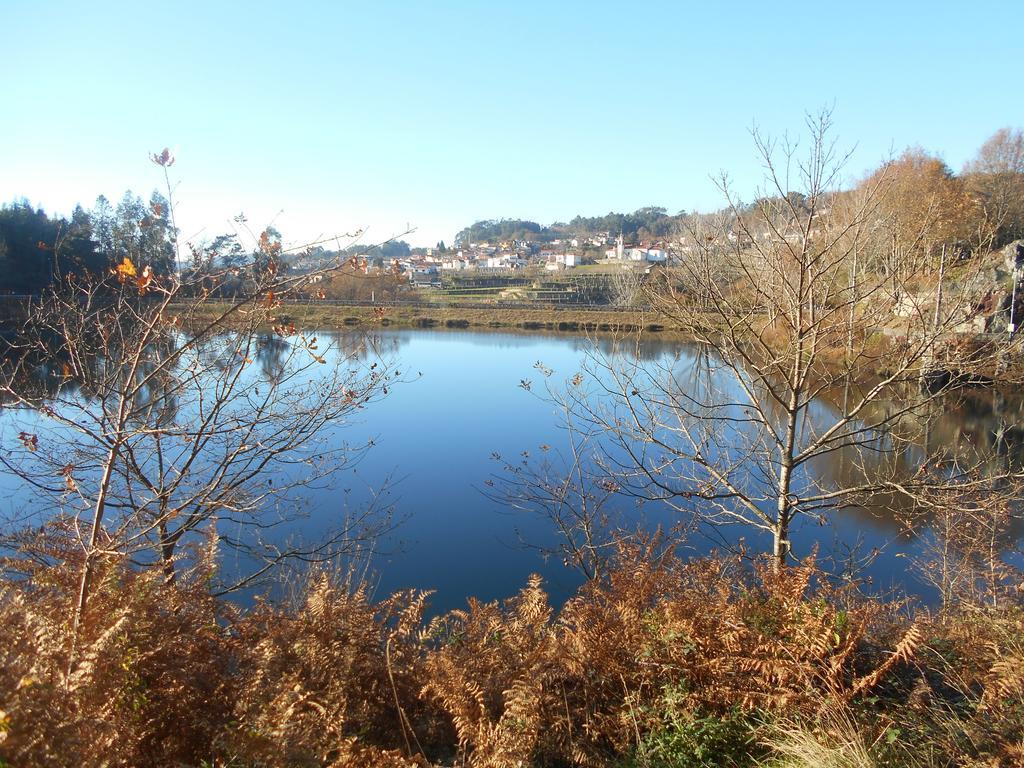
x=37, y=251
x=644, y=224
x=979, y=208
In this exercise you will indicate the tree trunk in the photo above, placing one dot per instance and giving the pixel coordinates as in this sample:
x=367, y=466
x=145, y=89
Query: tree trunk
x=90, y=552
x=780, y=534
x=167, y=546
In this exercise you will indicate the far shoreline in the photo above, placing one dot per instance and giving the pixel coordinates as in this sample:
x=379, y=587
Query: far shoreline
x=565, y=320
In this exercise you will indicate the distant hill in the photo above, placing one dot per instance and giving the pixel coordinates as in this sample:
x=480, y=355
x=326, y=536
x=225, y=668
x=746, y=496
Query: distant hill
x=650, y=223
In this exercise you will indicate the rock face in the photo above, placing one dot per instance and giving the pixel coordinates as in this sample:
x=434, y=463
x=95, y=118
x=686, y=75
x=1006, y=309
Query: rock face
x=998, y=316
x=984, y=301
x=1013, y=255
x=988, y=311
x=979, y=303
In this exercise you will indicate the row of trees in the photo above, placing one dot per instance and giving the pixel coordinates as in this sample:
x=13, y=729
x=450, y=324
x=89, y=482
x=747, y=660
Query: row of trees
x=645, y=223
x=496, y=230
x=37, y=251
x=980, y=208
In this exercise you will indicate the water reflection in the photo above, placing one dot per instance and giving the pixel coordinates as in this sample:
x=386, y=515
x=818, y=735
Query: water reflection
x=438, y=433
x=167, y=442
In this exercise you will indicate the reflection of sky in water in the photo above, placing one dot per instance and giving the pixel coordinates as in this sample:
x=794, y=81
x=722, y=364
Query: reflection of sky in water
x=435, y=437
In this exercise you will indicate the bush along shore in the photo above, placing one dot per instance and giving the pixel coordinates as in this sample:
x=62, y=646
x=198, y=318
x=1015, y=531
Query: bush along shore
x=661, y=663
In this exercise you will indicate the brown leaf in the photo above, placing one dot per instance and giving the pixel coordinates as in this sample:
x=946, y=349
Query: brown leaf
x=143, y=280
x=69, y=480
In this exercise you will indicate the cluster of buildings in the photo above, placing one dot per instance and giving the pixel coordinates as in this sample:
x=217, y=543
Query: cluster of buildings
x=554, y=256
x=647, y=253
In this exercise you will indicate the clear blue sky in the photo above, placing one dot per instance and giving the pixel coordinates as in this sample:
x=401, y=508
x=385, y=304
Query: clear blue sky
x=374, y=114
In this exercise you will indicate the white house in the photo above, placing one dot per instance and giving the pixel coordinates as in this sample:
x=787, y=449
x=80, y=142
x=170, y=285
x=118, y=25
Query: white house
x=645, y=254
x=505, y=261
x=556, y=261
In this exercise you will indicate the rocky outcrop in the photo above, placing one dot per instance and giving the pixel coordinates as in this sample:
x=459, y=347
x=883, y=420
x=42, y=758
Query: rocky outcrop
x=996, y=311
x=1013, y=255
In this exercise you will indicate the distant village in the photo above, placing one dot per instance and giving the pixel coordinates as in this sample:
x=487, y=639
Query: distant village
x=425, y=265
x=648, y=238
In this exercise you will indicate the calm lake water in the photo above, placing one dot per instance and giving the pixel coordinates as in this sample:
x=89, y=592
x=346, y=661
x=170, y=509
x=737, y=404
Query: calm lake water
x=435, y=437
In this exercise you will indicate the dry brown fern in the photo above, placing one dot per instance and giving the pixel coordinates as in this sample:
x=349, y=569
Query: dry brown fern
x=491, y=673
x=903, y=651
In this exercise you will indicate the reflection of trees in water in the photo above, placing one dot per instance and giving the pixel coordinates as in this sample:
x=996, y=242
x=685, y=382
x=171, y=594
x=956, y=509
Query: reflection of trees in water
x=993, y=422
x=362, y=345
x=975, y=427
x=60, y=373
x=54, y=373
x=650, y=349
x=978, y=428
x=271, y=352
x=972, y=424
x=205, y=436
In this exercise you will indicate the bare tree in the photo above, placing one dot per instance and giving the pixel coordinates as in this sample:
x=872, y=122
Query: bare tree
x=965, y=553
x=996, y=178
x=149, y=414
x=624, y=286
x=803, y=357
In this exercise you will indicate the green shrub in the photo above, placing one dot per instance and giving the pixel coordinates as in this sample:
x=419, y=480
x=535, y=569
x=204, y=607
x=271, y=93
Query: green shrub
x=684, y=737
